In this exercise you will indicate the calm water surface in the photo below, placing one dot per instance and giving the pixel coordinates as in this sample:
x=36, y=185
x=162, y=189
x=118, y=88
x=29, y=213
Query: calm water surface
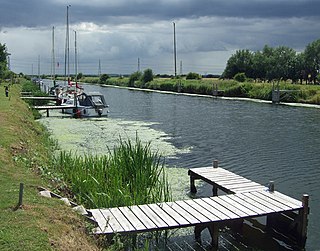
x=260, y=141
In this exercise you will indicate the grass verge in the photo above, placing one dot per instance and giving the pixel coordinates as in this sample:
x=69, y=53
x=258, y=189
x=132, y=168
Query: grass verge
x=41, y=223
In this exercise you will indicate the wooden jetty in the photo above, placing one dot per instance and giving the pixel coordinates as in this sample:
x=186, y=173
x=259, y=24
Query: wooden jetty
x=54, y=107
x=245, y=199
x=53, y=98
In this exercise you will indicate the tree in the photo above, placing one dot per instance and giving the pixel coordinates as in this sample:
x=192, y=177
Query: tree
x=103, y=78
x=80, y=75
x=312, y=59
x=3, y=60
x=147, y=76
x=134, y=77
x=239, y=62
x=193, y=75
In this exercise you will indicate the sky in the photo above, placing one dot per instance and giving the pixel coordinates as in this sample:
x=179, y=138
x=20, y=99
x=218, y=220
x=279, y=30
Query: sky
x=121, y=33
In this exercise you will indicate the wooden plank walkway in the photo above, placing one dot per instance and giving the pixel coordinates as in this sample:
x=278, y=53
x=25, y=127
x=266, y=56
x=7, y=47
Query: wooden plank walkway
x=254, y=201
x=223, y=179
x=53, y=107
x=160, y=216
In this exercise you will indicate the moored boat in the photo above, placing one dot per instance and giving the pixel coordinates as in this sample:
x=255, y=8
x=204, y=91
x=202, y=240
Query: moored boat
x=90, y=104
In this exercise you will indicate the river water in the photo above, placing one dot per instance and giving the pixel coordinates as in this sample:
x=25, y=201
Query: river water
x=260, y=141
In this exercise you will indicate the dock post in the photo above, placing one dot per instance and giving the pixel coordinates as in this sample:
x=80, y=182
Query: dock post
x=214, y=188
x=193, y=188
x=271, y=218
x=47, y=112
x=303, y=215
x=271, y=186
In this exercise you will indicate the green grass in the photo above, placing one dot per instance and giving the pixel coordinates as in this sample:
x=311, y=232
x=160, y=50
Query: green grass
x=41, y=224
x=129, y=175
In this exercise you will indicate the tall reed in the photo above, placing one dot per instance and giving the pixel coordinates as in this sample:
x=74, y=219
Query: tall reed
x=130, y=174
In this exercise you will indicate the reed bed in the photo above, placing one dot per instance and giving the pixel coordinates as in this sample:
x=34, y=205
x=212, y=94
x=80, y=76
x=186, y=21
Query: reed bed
x=130, y=174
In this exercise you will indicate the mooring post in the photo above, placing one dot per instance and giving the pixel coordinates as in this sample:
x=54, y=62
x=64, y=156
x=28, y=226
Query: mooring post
x=303, y=215
x=47, y=112
x=271, y=186
x=20, y=195
x=214, y=188
x=193, y=188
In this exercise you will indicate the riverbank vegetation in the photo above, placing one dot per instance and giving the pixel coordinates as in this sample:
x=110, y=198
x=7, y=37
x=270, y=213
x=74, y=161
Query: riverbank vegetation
x=131, y=174
x=25, y=148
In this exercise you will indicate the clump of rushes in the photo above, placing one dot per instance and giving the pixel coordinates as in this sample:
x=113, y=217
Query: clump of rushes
x=130, y=174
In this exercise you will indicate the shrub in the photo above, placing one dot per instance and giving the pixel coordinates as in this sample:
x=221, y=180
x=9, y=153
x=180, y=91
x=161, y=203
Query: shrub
x=134, y=77
x=103, y=78
x=147, y=76
x=240, y=77
x=193, y=75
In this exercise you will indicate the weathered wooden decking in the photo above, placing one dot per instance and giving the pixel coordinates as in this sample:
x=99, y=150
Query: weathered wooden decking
x=245, y=199
x=53, y=107
x=223, y=179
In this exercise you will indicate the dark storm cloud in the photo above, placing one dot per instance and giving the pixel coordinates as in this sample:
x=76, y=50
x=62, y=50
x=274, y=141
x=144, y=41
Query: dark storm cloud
x=33, y=13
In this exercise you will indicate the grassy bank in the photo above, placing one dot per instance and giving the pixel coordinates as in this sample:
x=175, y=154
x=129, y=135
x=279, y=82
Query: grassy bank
x=309, y=94
x=41, y=224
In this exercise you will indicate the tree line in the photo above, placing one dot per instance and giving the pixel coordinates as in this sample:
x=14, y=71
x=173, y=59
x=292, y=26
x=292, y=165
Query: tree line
x=4, y=71
x=277, y=63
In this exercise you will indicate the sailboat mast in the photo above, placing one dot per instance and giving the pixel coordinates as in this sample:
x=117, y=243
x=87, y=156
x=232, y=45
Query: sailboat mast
x=75, y=56
x=66, y=57
x=53, y=72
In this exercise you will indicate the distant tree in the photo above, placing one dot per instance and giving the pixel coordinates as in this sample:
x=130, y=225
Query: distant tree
x=3, y=61
x=80, y=75
x=281, y=63
x=147, y=76
x=193, y=75
x=241, y=61
x=134, y=77
x=103, y=78
x=312, y=59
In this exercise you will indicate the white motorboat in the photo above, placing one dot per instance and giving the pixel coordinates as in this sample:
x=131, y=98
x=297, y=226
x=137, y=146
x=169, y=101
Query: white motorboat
x=91, y=104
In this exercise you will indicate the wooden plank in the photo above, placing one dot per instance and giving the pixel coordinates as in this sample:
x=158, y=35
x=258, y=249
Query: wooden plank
x=189, y=217
x=163, y=215
x=212, y=209
x=232, y=208
x=220, y=208
x=270, y=199
x=125, y=224
x=200, y=217
x=263, y=202
x=203, y=210
x=111, y=221
x=243, y=185
x=241, y=200
x=179, y=218
x=263, y=208
x=143, y=218
x=103, y=227
x=132, y=218
x=249, y=189
x=293, y=202
x=280, y=200
x=153, y=216
x=267, y=202
x=239, y=207
x=234, y=181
